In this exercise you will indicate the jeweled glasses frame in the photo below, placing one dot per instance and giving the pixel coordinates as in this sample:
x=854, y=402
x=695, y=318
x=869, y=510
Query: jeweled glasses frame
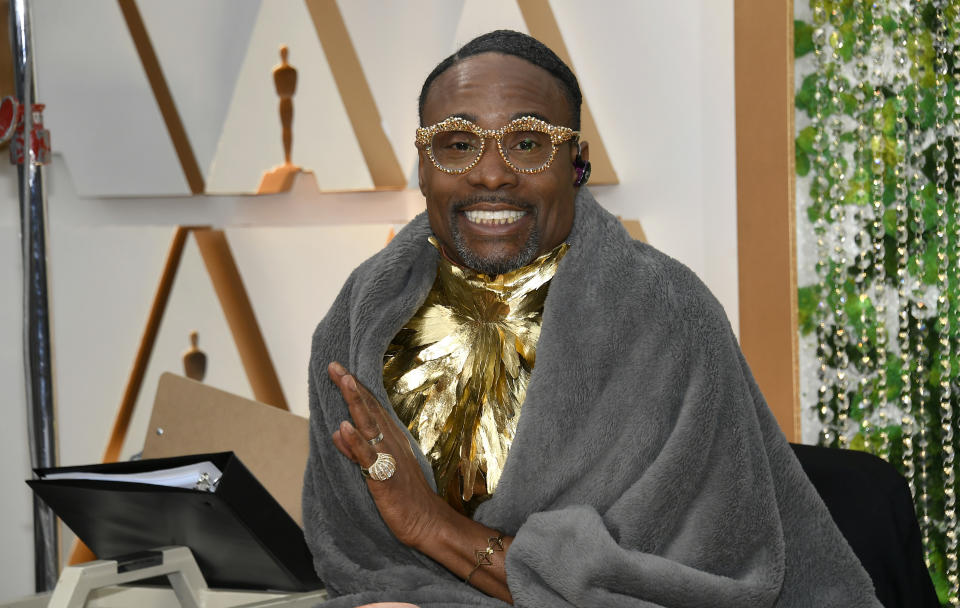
x=558, y=135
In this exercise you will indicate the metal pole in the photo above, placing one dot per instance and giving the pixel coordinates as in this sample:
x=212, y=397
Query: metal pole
x=36, y=327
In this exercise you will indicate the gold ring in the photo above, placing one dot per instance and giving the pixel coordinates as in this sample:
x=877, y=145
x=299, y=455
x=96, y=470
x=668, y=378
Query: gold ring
x=382, y=468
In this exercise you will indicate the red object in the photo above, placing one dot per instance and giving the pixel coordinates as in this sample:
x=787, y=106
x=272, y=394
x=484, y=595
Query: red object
x=9, y=117
x=11, y=126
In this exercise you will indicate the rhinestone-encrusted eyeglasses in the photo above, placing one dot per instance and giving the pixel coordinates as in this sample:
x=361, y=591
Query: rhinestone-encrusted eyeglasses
x=527, y=144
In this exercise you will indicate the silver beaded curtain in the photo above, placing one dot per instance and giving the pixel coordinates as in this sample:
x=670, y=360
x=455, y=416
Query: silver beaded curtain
x=878, y=185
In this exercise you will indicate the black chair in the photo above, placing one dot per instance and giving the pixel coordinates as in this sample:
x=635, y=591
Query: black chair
x=871, y=504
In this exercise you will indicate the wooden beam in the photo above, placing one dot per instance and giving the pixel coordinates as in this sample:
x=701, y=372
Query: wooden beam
x=385, y=169
x=6, y=54
x=763, y=60
x=542, y=25
x=161, y=92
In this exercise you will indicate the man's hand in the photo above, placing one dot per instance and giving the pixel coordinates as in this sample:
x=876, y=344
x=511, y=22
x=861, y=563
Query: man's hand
x=407, y=504
x=415, y=514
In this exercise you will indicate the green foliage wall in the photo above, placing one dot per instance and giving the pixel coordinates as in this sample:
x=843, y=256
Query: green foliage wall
x=878, y=115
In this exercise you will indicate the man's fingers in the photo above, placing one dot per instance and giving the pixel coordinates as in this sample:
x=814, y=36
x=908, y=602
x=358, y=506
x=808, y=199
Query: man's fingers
x=344, y=379
x=375, y=414
x=373, y=406
x=356, y=397
x=335, y=370
x=369, y=419
x=364, y=453
x=341, y=445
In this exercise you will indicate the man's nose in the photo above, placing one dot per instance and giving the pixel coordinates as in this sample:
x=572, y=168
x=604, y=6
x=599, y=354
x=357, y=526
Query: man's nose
x=491, y=171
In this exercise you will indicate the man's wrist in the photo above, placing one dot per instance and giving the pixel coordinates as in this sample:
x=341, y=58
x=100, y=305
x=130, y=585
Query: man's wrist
x=446, y=524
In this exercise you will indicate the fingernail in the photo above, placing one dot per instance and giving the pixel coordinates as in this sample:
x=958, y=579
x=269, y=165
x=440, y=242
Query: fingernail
x=337, y=368
x=351, y=383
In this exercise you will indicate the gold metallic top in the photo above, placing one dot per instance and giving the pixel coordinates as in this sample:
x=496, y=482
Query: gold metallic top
x=457, y=372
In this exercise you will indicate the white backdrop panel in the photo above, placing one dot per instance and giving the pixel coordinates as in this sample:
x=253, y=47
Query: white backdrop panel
x=201, y=46
x=101, y=112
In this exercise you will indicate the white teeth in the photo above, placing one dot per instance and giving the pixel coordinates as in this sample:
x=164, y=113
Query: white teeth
x=494, y=217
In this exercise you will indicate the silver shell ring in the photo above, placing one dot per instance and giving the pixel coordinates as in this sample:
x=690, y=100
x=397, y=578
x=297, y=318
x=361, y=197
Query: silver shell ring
x=382, y=469
x=376, y=439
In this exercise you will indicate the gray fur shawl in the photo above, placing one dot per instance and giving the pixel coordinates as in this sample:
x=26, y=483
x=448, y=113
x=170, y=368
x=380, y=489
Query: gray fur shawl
x=646, y=469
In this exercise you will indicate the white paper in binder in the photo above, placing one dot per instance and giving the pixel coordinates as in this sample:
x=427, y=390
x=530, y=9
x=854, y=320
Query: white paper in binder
x=199, y=476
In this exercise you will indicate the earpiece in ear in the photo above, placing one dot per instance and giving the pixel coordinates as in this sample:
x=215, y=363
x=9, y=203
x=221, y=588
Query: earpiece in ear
x=582, y=167
x=583, y=171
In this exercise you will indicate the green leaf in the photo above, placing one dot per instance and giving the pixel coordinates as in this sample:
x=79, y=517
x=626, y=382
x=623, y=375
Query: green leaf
x=941, y=584
x=890, y=222
x=802, y=38
x=805, y=139
x=804, y=148
x=849, y=37
x=807, y=299
x=849, y=101
x=894, y=384
x=804, y=97
x=888, y=190
x=889, y=112
x=858, y=442
x=803, y=163
x=930, y=263
x=929, y=195
x=927, y=105
x=873, y=441
x=848, y=137
x=856, y=411
x=894, y=431
x=859, y=305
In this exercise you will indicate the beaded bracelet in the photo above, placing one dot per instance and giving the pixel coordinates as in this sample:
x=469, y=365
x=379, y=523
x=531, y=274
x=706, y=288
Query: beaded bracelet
x=483, y=555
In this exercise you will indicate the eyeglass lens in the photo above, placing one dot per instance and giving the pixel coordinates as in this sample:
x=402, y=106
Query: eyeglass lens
x=525, y=149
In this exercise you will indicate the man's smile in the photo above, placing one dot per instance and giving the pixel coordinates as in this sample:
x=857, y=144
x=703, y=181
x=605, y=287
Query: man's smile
x=493, y=217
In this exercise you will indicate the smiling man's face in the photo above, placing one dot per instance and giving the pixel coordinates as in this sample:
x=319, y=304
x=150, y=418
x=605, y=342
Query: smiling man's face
x=493, y=219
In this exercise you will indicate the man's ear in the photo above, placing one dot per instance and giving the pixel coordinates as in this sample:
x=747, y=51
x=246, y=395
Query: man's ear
x=585, y=151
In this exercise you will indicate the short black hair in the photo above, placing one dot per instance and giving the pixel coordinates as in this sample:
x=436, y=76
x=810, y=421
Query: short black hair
x=528, y=48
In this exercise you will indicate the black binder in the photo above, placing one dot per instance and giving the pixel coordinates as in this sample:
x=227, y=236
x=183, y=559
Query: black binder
x=240, y=536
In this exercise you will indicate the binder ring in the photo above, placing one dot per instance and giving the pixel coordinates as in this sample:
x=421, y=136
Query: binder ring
x=382, y=468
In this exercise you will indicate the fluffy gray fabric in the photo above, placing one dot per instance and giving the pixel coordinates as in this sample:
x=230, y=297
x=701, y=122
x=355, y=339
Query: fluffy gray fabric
x=646, y=470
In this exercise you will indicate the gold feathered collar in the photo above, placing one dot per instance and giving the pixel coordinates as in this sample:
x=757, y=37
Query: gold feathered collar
x=457, y=372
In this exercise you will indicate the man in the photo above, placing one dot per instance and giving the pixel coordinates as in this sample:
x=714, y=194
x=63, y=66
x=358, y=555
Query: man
x=644, y=468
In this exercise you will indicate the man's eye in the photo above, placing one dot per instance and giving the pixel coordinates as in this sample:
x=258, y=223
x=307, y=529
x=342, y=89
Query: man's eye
x=526, y=142
x=456, y=141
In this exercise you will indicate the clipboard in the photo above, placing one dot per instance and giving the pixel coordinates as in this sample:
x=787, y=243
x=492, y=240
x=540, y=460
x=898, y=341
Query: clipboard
x=239, y=534
x=190, y=417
